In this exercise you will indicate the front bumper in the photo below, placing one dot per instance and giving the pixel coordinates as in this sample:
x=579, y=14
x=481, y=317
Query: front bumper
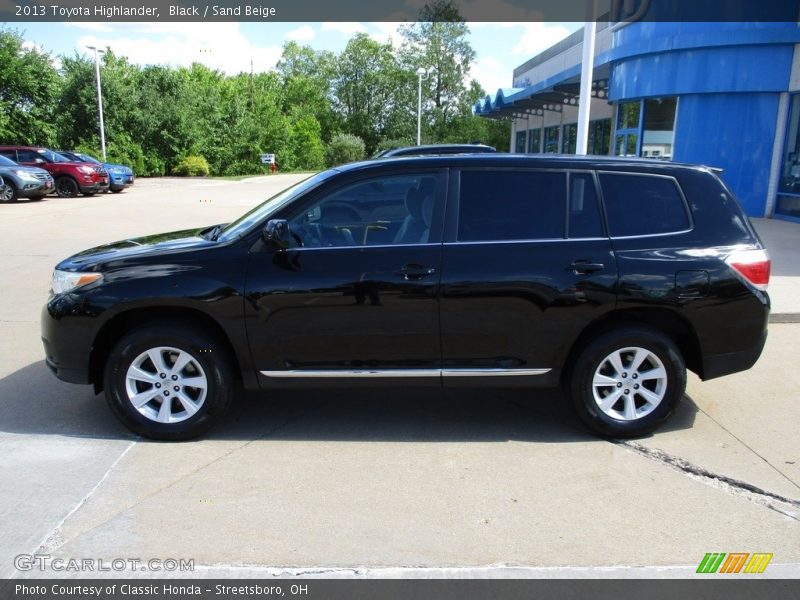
x=67, y=342
x=120, y=181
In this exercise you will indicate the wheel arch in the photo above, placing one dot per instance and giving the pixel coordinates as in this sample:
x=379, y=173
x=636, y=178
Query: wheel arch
x=126, y=321
x=666, y=321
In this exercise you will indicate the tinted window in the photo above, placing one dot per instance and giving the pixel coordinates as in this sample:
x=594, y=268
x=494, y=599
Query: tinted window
x=511, y=205
x=28, y=156
x=9, y=154
x=584, y=212
x=387, y=210
x=643, y=205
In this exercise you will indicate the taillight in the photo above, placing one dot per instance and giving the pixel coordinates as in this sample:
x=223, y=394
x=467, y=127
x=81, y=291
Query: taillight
x=753, y=265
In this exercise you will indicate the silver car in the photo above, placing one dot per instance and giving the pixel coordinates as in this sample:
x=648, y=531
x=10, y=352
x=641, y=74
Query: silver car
x=23, y=182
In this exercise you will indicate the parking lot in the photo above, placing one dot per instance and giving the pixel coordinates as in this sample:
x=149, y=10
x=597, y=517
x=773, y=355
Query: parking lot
x=377, y=483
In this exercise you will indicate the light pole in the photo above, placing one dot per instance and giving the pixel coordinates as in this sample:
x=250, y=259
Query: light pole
x=99, y=99
x=422, y=73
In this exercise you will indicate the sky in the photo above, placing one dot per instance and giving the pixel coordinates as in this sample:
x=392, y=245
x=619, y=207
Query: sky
x=230, y=47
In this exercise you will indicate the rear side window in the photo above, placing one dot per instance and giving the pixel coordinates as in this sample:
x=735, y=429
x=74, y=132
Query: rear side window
x=511, y=205
x=643, y=205
x=584, y=212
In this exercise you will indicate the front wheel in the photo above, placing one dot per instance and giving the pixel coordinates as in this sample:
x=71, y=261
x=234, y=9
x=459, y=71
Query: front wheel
x=168, y=382
x=627, y=382
x=8, y=193
x=66, y=187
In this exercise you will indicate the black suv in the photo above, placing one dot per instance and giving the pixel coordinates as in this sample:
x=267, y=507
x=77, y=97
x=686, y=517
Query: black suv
x=606, y=276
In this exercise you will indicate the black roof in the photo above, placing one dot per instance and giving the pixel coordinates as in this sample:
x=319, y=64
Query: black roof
x=501, y=160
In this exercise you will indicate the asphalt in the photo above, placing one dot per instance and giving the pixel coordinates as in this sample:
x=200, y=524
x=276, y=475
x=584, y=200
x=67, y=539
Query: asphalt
x=380, y=483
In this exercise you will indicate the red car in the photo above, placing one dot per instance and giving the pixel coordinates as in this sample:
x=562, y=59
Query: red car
x=71, y=177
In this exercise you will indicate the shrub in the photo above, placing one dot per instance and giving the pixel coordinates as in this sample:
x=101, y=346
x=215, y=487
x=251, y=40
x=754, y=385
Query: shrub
x=344, y=148
x=192, y=166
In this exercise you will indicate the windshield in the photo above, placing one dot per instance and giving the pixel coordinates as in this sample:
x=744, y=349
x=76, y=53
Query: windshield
x=51, y=156
x=259, y=214
x=7, y=162
x=87, y=158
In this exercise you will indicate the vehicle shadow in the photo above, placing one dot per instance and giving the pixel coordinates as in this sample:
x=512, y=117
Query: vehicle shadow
x=33, y=402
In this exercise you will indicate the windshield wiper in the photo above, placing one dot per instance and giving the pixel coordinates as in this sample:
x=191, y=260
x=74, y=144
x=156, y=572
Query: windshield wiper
x=213, y=233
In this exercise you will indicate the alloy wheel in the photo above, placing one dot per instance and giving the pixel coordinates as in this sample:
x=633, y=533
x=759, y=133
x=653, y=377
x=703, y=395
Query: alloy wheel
x=166, y=385
x=629, y=383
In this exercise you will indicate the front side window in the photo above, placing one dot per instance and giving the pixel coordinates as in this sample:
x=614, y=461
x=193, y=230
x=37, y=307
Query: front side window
x=389, y=210
x=643, y=205
x=511, y=205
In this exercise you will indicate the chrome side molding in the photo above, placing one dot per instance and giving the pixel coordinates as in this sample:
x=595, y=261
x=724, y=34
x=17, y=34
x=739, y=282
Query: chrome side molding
x=337, y=373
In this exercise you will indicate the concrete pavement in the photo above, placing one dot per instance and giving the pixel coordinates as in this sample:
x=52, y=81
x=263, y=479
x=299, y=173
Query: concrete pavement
x=362, y=484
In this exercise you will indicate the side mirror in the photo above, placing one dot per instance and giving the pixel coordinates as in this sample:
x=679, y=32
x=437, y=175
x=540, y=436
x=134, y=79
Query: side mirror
x=39, y=161
x=276, y=234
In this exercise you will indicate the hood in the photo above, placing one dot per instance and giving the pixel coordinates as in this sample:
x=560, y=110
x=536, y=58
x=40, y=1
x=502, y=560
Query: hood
x=150, y=245
x=34, y=170
x=123, y=168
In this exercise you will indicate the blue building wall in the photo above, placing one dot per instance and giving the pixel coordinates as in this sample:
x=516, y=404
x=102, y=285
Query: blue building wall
x=728, y=78
x=735, y=132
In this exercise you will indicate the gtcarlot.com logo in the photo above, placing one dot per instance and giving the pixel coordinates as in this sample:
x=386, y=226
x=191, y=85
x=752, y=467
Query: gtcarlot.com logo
x=735, y=562
x=45, y=562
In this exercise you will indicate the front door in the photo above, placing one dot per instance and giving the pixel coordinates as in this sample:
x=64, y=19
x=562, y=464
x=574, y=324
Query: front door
x=356, y=296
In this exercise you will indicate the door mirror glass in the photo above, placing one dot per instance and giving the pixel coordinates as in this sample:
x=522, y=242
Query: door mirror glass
x=276, y=234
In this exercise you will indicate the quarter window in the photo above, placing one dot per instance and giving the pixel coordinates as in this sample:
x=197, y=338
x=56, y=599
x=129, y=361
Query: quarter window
x=511, y=205
x=643, y=205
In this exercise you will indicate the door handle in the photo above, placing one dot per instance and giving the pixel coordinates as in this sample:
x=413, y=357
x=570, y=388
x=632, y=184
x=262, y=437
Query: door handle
x=585, y=267
x=415, y=272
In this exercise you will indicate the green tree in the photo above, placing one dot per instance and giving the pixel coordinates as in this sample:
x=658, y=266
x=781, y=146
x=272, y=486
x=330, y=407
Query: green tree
x=28, y=87
x=438, y=40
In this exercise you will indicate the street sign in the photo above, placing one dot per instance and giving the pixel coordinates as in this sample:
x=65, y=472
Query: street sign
x=268, y=159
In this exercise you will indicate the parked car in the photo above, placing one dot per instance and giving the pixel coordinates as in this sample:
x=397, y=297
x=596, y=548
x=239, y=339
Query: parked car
x=23, y=182
x=436, y=150
x=606, y=276
x=119, y=176
x=70, y=177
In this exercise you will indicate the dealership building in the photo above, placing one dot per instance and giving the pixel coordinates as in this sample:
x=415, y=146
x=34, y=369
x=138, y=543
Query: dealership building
x=722, y=94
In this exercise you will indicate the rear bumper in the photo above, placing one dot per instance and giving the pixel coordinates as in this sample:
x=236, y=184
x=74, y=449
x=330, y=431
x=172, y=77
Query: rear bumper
x=719, y=365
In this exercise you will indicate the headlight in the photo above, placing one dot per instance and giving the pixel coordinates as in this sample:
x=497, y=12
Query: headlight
x=87, y=170
x=64, y=281
x=24, y=174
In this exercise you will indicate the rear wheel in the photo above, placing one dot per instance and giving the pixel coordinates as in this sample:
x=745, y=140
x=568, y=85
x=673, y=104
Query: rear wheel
x=8, y=193
x=168, y=382
x=116, y=191
x=66, y=187
x=627, y=382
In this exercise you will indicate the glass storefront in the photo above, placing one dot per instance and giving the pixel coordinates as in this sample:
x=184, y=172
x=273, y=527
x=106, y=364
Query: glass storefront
x=535, y=141
x=520, y=146
x=551, y=139
x=658, y=133
x=599, y=142
x=788, y=200
x=646, y=128
x=569, y=139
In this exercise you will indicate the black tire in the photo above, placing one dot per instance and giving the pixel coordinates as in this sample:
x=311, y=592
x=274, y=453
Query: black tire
x=206, y=350
x=8, y=193
x=66, y=187
x=592, y=360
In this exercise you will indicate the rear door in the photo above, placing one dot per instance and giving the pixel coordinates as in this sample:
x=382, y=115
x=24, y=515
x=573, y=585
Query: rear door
x=526, y=265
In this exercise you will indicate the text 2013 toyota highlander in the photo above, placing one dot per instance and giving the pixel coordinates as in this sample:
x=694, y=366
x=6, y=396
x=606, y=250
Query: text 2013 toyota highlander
x=608, y=277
